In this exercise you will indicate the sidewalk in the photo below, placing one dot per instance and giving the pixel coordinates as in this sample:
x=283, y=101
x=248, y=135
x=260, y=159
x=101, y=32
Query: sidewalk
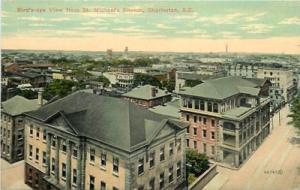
x=274, y=166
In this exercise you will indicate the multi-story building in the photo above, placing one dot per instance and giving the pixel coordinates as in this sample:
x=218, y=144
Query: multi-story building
x=12, y=126
x=228, y=117
x=247, y=71
x=86, y=141
x=147, y=96
x=125, y=80
x=283, y=88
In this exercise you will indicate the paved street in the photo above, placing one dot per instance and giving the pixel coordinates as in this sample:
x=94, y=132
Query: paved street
x=274, y=166
x=12, y=176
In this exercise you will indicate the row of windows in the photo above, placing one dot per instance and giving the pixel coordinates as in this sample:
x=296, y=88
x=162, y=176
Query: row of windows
x=37, y=154
x=102, y=184
x=4, y=132
x=204, y=133
x=200, y=105
x=200, y=120
x=104, y=159
x=204, y=146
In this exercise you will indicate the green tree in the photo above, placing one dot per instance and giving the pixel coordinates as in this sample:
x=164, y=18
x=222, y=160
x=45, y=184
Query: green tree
x=61, y=88
x=295, y=113
x=192, y=83
x=29, y=94
x=196, y=163
x=104, y=80
x=169, y=85
x=142, y=79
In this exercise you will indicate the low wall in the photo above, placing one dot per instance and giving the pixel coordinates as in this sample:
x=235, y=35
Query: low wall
x=203, y=179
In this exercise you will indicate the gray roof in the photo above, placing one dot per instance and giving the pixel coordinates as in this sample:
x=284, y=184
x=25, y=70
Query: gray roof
x=236, y=113
x=18, y=105
x=222, y=88
x=171, y=109
x=145, y=93
x=109, y=120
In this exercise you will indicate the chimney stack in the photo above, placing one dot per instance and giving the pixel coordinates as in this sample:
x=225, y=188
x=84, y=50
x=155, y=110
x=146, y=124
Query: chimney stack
x=153, y=91
x=40, y=96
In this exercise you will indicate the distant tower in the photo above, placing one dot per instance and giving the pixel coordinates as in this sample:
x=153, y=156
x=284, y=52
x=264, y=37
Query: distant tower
x=125, y=56
x=109, y=53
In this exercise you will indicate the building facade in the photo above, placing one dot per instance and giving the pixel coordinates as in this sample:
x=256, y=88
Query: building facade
x=228, y=118
x=12, y=126
x=283, y=88
x=86, y=141
x=247, y=71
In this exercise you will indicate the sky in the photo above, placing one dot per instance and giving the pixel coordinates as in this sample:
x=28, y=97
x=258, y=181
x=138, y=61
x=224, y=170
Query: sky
x=190, y=26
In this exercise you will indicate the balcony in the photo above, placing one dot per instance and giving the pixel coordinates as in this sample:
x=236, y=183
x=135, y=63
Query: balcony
x=229, y=140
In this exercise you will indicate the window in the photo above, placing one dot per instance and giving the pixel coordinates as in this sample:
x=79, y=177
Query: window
x=195, y=119
x=209, y=106
x=195, y=131
x=53, y=165
x=212, y=135
x=31, y=130
x=204, y=147
x=37, y=132
x=102, y=185
x=92, y=155
x=44, y=135
x=212, y=122
x=37, y=154
x=204, y=133
x=178, y=144
x=204, y=121
x=200, y=119
x=152, y=159
x=54, y=141
x=162, y=154
x=152, y=184
x=115, y=165
x=188, y=129
x=161, y=180
x=30, y=150
x=187, y=117
x=75, y=152
x=92, y=182
x=195, y=144
x=44, y=157
x=178, y=169
x=141, y=166
x=187, y=142
x=64, y=146
x=202, y=107
x=63, y=171
x=103, y=159
x=171, y=149
x=8, y=133
x=190, y=103
x=197, y=104
x=184, y=102
x=215, y=108
x=74, y=176
x=212, y=150
x=170, y=174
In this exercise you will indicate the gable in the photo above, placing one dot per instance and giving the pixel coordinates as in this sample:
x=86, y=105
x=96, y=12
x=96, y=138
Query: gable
x=59, y=121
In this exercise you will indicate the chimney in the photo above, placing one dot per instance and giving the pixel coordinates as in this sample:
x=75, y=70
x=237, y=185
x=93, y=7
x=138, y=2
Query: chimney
x=40, y=96
x=153, y=91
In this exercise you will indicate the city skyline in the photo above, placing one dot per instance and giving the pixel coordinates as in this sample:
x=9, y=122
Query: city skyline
x=250, y=27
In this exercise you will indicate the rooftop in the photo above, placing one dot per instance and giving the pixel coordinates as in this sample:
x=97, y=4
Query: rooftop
x=18, y=105
x=145, y=92
x=224, y=87
x=112, y=121
x=171, y=109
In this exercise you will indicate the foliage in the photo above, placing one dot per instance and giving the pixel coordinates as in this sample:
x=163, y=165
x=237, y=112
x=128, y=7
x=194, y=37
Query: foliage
x=104, y=80
x=191, y=178
x=192, y=83
x=60, y=88
x=169, y=85
x=142, y=79
x=29, y=94
x=196, y=163
x=295, y=113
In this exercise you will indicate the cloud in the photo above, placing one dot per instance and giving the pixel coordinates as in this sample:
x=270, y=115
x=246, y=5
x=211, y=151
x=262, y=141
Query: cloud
x=291, y=21
x=163, y=26
x=221, y=19
x=132, y=30
x=254, y=17
x=32, y=18
x=40, y=25
x=195, y=31
x=257, y=28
